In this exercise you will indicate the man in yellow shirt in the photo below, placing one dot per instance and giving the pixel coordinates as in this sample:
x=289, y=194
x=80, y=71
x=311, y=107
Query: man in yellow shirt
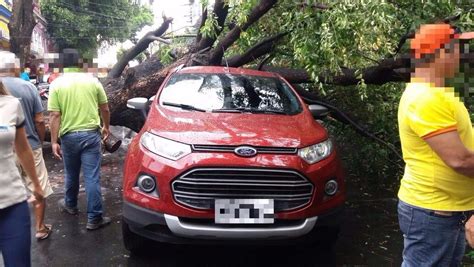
x=437, y=190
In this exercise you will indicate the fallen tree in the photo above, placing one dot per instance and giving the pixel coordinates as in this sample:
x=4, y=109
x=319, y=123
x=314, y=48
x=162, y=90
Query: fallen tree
x=145, y=79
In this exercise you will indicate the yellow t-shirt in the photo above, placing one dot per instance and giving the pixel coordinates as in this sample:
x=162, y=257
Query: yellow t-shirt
x=426, y=111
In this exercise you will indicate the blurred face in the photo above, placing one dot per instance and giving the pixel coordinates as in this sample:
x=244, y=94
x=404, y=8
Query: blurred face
x=9, y=71
x=447, y=60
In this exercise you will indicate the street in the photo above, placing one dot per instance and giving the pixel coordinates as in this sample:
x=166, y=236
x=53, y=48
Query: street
x=369, y=236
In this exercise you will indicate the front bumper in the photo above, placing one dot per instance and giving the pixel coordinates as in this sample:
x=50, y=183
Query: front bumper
x=171, y=229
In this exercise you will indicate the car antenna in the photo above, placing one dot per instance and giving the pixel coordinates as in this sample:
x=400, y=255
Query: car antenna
x=225, y=59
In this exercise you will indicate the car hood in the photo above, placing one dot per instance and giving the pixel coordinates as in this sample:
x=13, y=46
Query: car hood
x=192, y=127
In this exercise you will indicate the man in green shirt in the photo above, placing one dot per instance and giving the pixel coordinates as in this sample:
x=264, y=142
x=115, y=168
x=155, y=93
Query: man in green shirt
x=76, y=100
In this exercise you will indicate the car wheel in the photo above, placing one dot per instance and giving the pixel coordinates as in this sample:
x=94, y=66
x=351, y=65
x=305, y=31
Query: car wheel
x=133, y=242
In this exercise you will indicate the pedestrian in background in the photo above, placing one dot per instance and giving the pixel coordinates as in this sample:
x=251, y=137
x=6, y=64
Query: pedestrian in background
x=35, y=128
x=54, y=74
x=75, y=101
x=15, y=225
x=40, y=74
x=437, y=190
x=25, y=75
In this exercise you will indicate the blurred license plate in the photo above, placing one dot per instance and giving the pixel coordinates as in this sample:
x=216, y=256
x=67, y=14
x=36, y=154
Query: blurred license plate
x=244, y=211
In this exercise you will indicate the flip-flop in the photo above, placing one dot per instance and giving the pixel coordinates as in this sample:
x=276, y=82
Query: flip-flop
x=44, y=233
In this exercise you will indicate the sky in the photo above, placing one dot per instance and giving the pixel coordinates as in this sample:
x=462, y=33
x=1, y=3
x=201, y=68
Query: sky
x=177, y=9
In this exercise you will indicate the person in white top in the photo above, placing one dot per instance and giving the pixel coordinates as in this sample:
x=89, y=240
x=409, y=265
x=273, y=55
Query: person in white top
x=15, y=225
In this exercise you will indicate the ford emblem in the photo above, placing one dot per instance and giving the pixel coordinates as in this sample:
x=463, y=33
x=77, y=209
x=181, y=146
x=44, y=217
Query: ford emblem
x=245, y=151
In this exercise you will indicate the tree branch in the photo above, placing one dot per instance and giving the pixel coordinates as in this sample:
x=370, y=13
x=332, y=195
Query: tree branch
x=159, y=39
x=315, y=6
x=336, y=113
x=263, y=62
x=201, y=24
x=261, y=48
x=142, y=45
x=389, y=70
x=221, y=9
x=261, y=9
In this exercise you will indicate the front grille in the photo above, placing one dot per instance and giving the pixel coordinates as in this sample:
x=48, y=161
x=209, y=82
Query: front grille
x=199, y=188
x=260, y=149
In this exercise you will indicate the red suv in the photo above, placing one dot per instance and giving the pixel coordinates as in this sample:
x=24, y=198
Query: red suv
x=229, y=154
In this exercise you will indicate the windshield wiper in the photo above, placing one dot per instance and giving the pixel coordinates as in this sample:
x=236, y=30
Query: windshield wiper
x=250, y=110
x=183, y=106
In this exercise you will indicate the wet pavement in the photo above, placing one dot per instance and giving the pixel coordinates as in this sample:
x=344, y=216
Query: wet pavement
x=369, y=236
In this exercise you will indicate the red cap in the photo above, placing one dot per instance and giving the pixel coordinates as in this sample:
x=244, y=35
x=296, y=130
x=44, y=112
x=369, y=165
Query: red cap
x=431, y=37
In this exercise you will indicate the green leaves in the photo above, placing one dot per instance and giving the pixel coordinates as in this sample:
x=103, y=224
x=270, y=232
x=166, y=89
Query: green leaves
x=211, y=26
x=85, y=24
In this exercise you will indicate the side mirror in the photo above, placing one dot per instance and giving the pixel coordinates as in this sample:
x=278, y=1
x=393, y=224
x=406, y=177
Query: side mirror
x=319, y=112
x=151, y=99
x=139, y=103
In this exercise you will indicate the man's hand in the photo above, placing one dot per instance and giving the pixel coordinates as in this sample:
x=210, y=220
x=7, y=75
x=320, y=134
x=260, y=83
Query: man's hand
x=470, y=231
x=105, y=133
x=57, y=151
x=38, y=193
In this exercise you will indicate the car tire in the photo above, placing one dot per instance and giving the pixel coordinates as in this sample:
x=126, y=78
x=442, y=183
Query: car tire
x=133, y=242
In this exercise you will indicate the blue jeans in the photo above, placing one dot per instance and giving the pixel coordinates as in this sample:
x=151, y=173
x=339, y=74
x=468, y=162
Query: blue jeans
x=15, y=235
x=83, y=149
x=431, y=239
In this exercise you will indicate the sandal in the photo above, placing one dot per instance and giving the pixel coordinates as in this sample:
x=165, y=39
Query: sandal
x=44, y=233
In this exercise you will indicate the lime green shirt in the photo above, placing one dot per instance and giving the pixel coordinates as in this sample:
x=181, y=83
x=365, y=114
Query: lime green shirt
x=77, y=97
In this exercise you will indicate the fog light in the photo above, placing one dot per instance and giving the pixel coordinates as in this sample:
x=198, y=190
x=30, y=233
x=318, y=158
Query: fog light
x=331, y=187
x=146, y=183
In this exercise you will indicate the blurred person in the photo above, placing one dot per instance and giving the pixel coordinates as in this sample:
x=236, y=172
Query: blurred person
x=437, y=189
x=35, y=129
x=40, y=74
x=25, y=75
x=76, y=100
x=55, y=74
x=15, y=225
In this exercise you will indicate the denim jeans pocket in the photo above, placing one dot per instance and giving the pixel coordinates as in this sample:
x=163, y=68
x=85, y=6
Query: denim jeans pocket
x=438, y=215
x=435, y=219
x=405, y=217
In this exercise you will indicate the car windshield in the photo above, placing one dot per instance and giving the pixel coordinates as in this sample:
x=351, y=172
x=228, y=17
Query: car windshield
x=230, y=93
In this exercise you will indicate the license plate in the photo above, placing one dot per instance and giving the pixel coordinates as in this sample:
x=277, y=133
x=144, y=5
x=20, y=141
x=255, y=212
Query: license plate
x=244, y=211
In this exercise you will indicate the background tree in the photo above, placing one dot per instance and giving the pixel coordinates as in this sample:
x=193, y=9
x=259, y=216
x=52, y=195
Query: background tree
x=21, y=27
x=86, y=24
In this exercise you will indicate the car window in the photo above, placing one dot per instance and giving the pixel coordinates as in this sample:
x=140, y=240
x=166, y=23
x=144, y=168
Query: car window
x=221, y=92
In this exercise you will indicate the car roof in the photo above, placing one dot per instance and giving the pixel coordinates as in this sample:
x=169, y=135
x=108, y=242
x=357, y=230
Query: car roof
x=219, y=69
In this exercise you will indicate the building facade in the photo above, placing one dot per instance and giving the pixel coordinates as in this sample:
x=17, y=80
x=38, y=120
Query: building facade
x=5, y=15
x=40, y=42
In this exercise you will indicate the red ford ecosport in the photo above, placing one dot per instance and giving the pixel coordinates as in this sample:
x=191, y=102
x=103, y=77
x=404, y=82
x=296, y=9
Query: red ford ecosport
x=229, y=154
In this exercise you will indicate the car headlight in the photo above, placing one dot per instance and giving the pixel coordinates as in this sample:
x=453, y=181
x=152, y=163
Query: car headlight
x=164, y=147
x=317, y=152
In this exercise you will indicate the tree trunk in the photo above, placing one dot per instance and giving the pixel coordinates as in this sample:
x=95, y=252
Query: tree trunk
x=21, y=27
